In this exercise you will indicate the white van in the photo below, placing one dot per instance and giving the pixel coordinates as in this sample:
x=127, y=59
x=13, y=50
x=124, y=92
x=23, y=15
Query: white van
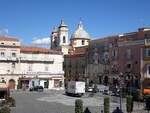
x=75, y=88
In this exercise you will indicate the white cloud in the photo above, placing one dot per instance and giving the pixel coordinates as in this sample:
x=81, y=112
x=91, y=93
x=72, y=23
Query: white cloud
x=42, y=41
x=4, y=31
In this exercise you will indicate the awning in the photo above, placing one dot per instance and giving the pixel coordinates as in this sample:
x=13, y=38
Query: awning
x=25, y=78
x=56, y=78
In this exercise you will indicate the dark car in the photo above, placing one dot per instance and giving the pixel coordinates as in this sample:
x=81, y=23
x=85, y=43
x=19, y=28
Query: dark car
x=37, y=88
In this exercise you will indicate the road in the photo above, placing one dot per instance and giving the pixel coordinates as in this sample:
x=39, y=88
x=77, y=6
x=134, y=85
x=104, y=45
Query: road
x=58, y=102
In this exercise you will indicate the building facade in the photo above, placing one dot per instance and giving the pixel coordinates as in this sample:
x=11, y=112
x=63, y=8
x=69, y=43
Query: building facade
x=25, y=67
x=114, y=60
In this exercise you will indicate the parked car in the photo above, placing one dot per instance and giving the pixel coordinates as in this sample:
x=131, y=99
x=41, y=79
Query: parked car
x=37, y=88
x=106, y=92
x=90, y=89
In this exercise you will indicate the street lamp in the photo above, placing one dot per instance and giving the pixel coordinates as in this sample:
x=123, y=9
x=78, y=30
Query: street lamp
x=121, y=82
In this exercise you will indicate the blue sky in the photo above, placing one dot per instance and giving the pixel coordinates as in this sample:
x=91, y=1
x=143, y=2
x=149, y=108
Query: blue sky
x=28, y=19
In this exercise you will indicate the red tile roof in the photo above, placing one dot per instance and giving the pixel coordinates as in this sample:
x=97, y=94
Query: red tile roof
x=37, y=49
x=8, y=38
x=106, y=38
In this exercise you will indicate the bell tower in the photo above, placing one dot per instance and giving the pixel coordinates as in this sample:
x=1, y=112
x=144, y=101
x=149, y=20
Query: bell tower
x=63, y=33
x=54, y=38
x=59, y=38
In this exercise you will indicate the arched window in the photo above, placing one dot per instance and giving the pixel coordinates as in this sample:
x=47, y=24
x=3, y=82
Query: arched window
x=83, y=42
x=64, y=39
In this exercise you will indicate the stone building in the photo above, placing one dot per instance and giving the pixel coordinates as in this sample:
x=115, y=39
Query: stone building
x=29, y=66
x=112, y=60
x=75, y=64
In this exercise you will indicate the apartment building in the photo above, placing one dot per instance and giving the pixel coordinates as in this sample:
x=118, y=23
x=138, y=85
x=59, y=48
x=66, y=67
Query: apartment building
x=26, y=66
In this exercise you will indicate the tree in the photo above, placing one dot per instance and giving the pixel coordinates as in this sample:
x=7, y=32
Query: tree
x=106, y=104
x=78, y=106
x=5, y=110
x=95, y=89
x=129, y=104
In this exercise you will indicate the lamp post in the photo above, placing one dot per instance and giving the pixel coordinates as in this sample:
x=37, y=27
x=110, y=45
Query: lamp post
x=120, y=90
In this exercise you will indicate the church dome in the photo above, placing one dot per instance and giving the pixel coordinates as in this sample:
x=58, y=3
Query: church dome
x=80, y=32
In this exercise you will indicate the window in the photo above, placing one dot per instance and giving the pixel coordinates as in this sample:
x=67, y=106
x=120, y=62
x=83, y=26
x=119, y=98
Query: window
x=114, y=53
x=13, y=54
x=148, y=71
x=83, y=42
x=114, y=41
x=46, y=68
x=2, y=43
x=30, y=67
x=13, y=65
x=2, y=54
x=148, y=52
x=14, y=44
x=129, y=52
x=106, y=43
x=128, y=67
x=115, y=67
x=64, y=39
x=145, y=35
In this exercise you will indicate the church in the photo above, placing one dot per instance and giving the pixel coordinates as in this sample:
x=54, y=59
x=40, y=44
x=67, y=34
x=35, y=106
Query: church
x=60, y=40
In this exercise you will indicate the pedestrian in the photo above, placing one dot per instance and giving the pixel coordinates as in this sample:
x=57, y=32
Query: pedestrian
x=117, y=110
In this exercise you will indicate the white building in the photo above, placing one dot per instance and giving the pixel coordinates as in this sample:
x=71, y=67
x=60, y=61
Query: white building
x=29, y=66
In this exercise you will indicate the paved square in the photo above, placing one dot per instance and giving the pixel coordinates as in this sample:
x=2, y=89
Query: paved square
x=58, y=102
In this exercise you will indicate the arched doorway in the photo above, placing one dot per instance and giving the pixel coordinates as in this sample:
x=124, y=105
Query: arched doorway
x=11, y=84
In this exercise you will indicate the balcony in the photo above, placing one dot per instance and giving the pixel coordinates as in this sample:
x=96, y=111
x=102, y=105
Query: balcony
x=35, y=59
x=105, y=61
x=106, y=71
x=128, y=56
x=8, y=59
x=128, y=70
x=147, y=42
x=41, y=73
x=115, y=57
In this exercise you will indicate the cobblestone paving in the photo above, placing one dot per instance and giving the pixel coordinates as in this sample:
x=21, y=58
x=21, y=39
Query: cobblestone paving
x=58, y=102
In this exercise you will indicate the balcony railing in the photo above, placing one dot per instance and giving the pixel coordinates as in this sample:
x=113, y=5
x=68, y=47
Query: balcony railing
x=128, y=56
x=34, y=73
x=37, y=59
x=8, y=58
x=114, y=57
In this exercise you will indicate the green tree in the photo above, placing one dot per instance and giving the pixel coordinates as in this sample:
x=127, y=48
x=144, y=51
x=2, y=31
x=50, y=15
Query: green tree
x=86, y=87
x=19, y=84
x=78, y=106
x=95, y=89
x=106, y=104
x=129, y=104
x=5, y=110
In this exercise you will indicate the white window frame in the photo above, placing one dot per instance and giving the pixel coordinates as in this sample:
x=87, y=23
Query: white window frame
x=13, y=65
x=46, y=68
x=3, y=54
x=148, y=71
x=114, y=53
x=129, y=52
x=14, y=54
x=30, y=67
x=147, y=49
